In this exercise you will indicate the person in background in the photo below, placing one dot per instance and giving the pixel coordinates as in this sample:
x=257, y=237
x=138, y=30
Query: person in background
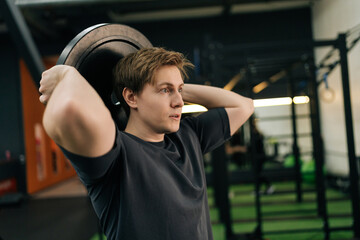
x=240, y=152
x=236, y=150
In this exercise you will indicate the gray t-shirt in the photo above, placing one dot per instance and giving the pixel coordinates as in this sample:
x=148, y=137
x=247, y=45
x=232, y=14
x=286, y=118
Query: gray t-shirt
x=155, y=190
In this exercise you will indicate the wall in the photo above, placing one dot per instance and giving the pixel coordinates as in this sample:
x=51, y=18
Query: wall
x=331, y=17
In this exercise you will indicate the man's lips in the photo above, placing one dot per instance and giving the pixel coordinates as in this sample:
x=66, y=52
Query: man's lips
x=175, y=116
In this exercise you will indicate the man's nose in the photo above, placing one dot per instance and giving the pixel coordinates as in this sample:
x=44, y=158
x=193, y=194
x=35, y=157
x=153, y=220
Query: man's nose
x=177, y=101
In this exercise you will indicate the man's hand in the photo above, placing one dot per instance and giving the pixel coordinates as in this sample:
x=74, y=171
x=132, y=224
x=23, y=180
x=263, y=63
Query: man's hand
x=49, y=80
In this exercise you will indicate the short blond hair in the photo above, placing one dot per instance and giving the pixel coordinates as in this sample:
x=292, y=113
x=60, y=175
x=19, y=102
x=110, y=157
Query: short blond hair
x=137, y=69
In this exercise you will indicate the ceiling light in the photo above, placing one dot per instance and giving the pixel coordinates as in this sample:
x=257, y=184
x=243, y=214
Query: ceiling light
x=280, y=101
x=268, y=102
x=261, y=86
x=301, y=99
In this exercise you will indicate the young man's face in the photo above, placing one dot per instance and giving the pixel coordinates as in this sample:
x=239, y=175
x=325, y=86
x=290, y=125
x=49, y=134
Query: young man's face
x=160, y=104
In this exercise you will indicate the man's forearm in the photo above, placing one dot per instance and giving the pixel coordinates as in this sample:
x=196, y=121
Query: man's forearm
x=238, y=108
x=212, y=97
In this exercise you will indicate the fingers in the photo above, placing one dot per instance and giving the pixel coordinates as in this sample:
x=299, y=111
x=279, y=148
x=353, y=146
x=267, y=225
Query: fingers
x=49, y=80
x=43, y=99
x=42, y=88
x=44, y=95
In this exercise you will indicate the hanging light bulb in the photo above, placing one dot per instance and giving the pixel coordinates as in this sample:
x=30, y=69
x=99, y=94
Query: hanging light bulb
x=327, y=94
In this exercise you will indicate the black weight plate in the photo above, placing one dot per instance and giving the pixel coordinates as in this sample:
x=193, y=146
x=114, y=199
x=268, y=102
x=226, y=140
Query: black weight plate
x=95, y=51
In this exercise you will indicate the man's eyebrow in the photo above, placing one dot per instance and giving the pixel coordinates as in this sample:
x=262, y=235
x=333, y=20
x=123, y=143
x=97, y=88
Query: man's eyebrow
x=169, y=84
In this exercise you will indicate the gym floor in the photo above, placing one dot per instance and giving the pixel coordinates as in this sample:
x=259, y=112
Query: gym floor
x=62, y=212
x=281, y=212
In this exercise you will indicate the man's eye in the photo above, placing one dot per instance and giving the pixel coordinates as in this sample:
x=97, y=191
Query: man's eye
x=164, y=90
x=180, y=90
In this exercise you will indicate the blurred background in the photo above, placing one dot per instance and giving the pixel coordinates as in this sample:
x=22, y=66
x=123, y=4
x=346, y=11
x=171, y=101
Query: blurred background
x=299, y=61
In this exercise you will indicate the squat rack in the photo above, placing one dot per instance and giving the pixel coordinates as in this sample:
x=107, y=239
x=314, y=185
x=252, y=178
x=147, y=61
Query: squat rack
x=215, y=49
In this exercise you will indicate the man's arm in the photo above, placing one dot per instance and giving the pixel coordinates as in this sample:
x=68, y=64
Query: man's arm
x=238, y=108
x=75, y=116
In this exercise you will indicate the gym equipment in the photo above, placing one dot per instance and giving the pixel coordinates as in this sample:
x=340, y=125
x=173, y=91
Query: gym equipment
x=341, y=44
x=95, y=51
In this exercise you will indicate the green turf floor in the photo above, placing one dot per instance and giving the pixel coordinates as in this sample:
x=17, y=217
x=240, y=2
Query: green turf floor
x=281, y=212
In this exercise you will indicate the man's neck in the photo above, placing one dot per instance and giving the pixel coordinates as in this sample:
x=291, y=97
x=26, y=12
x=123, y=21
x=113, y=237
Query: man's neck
x=140, y=131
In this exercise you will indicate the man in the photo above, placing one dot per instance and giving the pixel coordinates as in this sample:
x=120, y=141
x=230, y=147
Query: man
x=147, y=182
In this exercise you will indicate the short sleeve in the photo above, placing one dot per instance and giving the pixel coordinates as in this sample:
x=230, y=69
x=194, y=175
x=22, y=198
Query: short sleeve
x=212, y=128
x=90, y=169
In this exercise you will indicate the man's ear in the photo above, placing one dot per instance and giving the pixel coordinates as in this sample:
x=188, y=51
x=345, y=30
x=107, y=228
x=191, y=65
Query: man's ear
x=129, y=97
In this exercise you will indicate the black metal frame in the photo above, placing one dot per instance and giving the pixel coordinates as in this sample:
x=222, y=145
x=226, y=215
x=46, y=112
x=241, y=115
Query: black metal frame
x=296, y=151
x=318, y=147
x=354, y=172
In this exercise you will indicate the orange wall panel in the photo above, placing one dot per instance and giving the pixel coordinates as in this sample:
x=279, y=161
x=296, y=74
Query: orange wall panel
x=45, y=163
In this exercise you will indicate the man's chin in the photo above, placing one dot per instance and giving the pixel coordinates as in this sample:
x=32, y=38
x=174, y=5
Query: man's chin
x=172, y=130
